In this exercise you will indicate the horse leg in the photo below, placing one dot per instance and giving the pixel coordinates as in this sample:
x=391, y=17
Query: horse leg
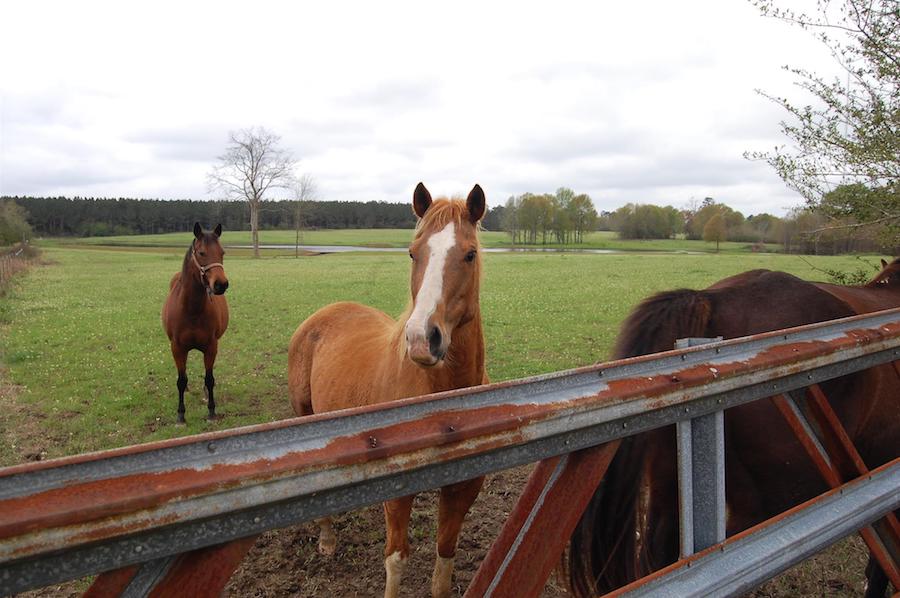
x=456, y=500
x=180, y=356
x=327, y=539
x=876, y=579
x=209, y=359
x=396, y=546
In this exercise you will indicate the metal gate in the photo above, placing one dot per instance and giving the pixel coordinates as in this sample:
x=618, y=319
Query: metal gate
x=182, y=513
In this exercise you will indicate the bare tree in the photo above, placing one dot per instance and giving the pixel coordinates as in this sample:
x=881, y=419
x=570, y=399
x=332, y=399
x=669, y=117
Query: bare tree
x=305, y=189
x=251, y=165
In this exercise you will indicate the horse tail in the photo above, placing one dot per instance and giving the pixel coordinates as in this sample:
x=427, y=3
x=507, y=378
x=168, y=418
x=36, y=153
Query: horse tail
x=300, y=356
x=626, y=530
x=660, y=320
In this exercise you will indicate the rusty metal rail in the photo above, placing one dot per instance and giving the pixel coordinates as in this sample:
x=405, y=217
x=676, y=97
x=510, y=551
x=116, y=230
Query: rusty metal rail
x=71, y=517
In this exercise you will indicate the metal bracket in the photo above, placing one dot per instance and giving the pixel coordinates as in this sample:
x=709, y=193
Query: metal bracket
x=701, y=474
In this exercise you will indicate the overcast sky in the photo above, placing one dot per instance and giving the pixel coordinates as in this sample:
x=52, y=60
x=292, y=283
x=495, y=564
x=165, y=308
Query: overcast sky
x=649, y=102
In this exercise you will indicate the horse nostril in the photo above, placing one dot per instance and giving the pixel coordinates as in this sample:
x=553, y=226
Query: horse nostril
x=220, y=287
x=434, y=341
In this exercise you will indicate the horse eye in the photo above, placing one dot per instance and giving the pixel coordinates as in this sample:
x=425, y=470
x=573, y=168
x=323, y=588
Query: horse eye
x=202, y=254
x=411, y=256
x=470, y=256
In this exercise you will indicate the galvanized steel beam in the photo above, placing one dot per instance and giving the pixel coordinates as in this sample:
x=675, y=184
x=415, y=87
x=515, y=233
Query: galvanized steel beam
x=71, y=517
x=747, y=559
x=700, y=448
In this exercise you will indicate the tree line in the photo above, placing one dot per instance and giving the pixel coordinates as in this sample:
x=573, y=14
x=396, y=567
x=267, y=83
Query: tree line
x=819, y=229
x=562, y=217
x=89, y=217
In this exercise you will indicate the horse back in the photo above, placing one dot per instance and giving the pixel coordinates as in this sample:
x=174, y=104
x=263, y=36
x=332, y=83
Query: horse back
x=341, y=356
x=748, y=303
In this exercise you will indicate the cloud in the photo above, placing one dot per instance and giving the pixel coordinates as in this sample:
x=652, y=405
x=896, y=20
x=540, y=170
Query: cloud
x=627, y=102
x=198, y=143
x=393, y=94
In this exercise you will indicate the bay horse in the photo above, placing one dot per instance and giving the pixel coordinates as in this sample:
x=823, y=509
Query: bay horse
x=347, y=355
x=195, y=314
x=630, y=527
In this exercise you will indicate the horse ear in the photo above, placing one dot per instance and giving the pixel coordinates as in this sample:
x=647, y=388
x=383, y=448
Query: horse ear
x=883, y=263
x=198, y=230
x=421, y=200
x=218, y=231
x=475, y=202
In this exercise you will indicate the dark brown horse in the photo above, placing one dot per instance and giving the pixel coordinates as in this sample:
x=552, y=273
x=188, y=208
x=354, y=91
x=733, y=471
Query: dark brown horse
x=630, y=528
x=195, y=314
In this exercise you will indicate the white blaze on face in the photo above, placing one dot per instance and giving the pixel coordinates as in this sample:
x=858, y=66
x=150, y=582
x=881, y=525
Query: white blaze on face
x=439, y=245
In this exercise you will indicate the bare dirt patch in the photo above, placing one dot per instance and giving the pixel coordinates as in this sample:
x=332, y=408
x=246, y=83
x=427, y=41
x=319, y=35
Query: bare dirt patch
x=286, y=562
x=22, y=437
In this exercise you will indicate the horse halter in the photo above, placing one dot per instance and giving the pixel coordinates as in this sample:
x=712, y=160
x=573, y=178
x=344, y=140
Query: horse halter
x=203, y=269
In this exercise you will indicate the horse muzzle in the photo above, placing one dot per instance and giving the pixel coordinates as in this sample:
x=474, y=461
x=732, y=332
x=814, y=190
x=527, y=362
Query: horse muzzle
x=427, y=350
x=219, y=287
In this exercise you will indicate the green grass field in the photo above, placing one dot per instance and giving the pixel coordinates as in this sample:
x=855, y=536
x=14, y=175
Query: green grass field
x=395, y=237
x=88, y=365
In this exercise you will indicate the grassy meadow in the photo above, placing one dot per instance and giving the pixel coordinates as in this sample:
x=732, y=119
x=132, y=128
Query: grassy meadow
x=87, y=365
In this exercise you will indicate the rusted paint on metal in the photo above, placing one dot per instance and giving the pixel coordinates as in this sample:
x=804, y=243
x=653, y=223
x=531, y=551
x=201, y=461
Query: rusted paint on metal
x=836, y=439
x=885, y=544
x=537, y=530
x=103, y=499
x=111, y=583
x=203, y=573
x=822, y=463
x=882, y=554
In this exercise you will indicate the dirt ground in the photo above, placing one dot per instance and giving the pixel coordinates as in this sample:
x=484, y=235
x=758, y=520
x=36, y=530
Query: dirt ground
x=286, y=562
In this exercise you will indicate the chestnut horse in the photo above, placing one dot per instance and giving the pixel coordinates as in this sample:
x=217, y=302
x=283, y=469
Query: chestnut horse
x=195, y=314
x=347, y=355
x=630, y=527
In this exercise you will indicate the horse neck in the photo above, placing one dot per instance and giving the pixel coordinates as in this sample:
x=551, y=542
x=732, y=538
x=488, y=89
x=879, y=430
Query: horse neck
x=466, y=352
x=193, y=293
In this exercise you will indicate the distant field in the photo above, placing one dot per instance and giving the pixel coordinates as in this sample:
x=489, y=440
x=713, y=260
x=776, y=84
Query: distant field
x=83, y=346
x=395, y=237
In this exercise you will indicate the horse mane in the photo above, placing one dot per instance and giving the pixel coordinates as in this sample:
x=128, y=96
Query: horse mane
x=442, y=212
x=186, y=263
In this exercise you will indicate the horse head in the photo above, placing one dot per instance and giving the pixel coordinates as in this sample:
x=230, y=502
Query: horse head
x=207, y=254
x=889, y=275
x=446, y=270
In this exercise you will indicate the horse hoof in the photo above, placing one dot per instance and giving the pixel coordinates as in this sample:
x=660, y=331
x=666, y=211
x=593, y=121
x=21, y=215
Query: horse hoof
x=180, y=423
x=214, y=417
x=327, y=546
